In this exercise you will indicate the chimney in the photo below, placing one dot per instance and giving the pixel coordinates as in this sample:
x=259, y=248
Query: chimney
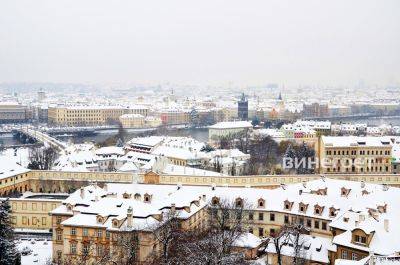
x=300, y=192
x=304, y=184
x=129, y=216
x=82, y=192
x=105, y=187
x=361, y=217
x=173, y=208
x=204, y=197
x=385, y=187
x=362, y=184
x=356, y=223
x=386, y=225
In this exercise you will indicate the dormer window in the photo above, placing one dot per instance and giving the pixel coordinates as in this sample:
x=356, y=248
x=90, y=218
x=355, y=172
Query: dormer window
x=287, y=205
x=303, y=207
x=100, y=219
x=147, y=197
x=382, y=208
x=318, y=209
x=359, y=238
x=137, y=196
x=115, y=223
x=214, y=201
x=261, y=203
x=126, y=195
x=69, y=207
x=344, y=192
x=332, y=212
x=239, y=202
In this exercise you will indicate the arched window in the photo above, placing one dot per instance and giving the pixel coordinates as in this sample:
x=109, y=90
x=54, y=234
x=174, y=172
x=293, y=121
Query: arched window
x=239, y=202
x=261, y=203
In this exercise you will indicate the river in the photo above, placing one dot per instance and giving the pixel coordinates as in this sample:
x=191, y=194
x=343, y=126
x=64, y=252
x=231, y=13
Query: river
x=200, y=134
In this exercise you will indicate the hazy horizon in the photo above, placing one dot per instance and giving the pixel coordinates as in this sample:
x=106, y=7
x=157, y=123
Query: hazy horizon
x=206, y=42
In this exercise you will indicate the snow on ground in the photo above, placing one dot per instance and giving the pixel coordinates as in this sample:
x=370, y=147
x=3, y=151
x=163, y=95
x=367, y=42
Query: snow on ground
x=41, y=250
x=17, y=156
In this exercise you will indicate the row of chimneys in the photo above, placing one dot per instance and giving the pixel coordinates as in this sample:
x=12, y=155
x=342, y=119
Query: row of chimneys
x=361, y=218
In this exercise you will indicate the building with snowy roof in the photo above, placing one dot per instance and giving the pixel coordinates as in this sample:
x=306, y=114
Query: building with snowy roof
x=352, y=154
x=341, y=219
x=227, y=128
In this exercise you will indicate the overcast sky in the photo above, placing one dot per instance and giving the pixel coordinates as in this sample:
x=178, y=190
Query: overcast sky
x=201, y=42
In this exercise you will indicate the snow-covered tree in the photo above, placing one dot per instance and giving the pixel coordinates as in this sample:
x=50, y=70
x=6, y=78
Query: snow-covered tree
x=8, y=252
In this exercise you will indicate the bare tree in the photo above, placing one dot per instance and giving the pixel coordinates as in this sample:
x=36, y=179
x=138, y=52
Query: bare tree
x=210, y=243
x=42, y=158
x=287, y=235
x=166, y=234
x=126, y=251
x=214, y=245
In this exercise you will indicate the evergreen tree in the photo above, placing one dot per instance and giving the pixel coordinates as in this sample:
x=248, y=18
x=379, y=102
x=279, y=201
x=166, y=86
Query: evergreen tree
x=120, y=143
x=290, y=154
x=8, y=252
x=306, y=154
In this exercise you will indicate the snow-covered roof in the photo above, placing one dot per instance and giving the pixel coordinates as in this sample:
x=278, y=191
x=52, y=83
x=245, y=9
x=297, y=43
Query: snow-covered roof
x=110, y=150
x=10, y=165
x=231, y=125
x=313, y=248
x=348, y=141
x=247, y=240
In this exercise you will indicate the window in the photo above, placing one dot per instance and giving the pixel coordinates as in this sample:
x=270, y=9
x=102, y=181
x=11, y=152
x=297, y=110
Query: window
x=24, y=220
x=272, y=232
x=58, y=220
x=85, y=232
x=286, y=219
x=107, y=234
x=360, y=239
x=308, y=222
x=272, y=217
x=316, y=224
x=99, y=233
x=34, y=221
x=73, y=248
x=85, y=249
x=251, y=230
x=324, y=226
x=44, y=207
x=24, y=206
x=44, y=220
x=344, y=254
x=34, y=206
x=260, y=216
x=99, y=250
x=73, y=231
x=260, y=231
x=354, y=256
x=59, y=235
x=251, y=216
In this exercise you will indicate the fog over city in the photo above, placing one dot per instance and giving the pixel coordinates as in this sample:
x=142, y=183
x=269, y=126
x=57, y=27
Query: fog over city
x=208, y=42
x=262, y=132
